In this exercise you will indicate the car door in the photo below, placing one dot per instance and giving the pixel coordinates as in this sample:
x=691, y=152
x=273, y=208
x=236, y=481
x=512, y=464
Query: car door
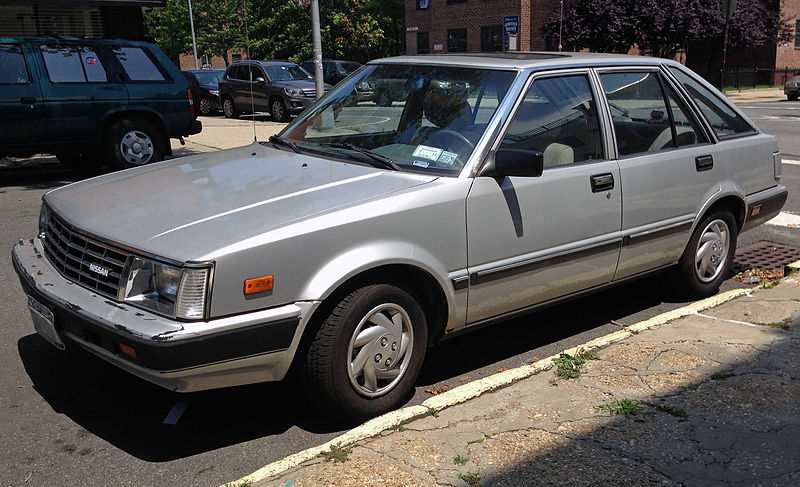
x=261, y=89
x=667, y=167
x=534, y=239
x=78, y=90
x=23, y=119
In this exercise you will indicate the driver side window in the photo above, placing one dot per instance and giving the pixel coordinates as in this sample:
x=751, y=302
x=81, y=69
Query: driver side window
x=557, y=117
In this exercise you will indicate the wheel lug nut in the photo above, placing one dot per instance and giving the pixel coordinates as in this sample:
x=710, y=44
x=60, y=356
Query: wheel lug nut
x=378, y=357
x=384, y=341
x=394, y=346
x=388, y=362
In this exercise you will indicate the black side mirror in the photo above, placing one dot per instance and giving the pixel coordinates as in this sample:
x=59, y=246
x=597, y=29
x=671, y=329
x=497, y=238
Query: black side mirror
x=514, y=162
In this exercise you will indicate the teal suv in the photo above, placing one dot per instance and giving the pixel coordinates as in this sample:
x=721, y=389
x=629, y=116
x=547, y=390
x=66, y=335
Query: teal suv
x=92, y=102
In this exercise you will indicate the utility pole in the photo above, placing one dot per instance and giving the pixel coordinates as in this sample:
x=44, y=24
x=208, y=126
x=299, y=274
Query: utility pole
x=194, y=41
x=729, y=6
x=316, y=44
x=560, y=25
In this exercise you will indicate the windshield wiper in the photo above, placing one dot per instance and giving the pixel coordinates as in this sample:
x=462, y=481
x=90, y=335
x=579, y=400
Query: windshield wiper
x=284, y=142
x=376, y=159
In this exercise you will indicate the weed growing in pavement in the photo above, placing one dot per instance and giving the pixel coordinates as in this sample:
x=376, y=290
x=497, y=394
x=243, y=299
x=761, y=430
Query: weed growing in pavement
x=401, y=428
x=691, y=386
x=243, y=483
x=768, y=284
x=783, y=325
x=569, y=366
x=459, y=460
x=721, y=375
x=479, y=440
x=470, y=478
x=678, y=413
x=337, y=454
x=621, y=407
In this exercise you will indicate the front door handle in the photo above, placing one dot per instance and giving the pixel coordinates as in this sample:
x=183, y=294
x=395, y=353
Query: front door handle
x=602, y=182
x=703, y=163
x=27, y=99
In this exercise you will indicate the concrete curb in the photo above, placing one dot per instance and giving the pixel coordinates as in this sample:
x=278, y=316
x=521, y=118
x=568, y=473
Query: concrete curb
x=476, y=388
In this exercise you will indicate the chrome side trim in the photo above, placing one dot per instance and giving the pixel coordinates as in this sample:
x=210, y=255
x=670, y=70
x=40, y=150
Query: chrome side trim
x=659, y=232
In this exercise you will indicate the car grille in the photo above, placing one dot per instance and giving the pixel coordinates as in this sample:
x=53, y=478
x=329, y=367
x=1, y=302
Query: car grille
x=83, y=260
x=312, y=92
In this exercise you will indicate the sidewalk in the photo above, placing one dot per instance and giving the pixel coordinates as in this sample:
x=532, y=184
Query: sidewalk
x=707, y=395
x=756, y=95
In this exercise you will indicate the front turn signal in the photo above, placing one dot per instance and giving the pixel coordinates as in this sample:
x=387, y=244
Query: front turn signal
x=258, y=285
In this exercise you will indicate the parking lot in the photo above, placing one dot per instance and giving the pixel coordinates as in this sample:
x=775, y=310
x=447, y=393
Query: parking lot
x=71, y=419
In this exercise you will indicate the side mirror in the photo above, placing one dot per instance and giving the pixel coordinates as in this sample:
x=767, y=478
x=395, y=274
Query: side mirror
x=514, y=162
x=261, y=81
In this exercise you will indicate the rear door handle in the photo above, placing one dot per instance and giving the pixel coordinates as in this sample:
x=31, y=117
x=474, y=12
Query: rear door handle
x=602, y=182
x=703, y=163
x=27, y=99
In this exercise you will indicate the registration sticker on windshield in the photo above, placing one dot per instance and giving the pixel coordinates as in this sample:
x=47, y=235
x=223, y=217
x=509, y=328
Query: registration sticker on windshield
x=427, y=152
x=448, y=158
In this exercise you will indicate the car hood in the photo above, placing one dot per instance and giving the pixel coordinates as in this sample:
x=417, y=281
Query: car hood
x=187, y=208
x=209, y=86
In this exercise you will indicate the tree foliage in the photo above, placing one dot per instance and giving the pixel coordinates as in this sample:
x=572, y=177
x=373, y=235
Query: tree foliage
x=665, y=27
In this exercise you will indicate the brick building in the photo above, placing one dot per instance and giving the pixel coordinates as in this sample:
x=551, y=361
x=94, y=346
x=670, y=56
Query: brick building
x=788, y=53
x=436, y=26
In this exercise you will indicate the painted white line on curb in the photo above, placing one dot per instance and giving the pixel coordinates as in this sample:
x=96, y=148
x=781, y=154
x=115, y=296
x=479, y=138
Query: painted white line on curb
x=791, y=162
x=475, y=388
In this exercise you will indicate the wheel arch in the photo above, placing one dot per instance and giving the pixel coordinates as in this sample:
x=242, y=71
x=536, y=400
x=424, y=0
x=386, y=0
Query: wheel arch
x=732, y=202
x=149, y=115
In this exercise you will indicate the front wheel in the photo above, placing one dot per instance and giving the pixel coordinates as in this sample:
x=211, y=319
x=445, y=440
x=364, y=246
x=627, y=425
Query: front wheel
x=229, y=109
x=706, y=259
x=365, y=358
x=278, y=111
x=133, y=142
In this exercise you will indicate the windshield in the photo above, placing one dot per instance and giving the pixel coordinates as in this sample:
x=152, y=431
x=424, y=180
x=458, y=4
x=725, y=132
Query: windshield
x=347, y=68
x=286, y=72
x=208, y=77
x=422, y=118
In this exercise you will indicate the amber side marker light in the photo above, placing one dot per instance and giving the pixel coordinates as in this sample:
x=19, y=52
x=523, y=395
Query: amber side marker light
x=127, y=351
x=258, y=285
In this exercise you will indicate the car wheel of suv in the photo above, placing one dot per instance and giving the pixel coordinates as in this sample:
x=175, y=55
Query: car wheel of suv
x=134, y=142
x=364, y=359
x=792, y=97
x=205, y=106
x=229, y=109
x=383, y=99
x=278, y=111
x=83, y=162
x=706, y=259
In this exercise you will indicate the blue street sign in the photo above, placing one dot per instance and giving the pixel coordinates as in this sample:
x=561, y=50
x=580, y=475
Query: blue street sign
x=511, y=25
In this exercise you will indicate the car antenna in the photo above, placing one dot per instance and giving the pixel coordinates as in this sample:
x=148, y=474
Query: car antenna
x=250, y=70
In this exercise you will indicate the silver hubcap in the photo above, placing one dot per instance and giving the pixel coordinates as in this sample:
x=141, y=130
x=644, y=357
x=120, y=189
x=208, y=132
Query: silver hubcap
x=136, y=147
x=380, y=350
x=228, y=107
x=712, y=251
x=277, y=110
x=205, y=106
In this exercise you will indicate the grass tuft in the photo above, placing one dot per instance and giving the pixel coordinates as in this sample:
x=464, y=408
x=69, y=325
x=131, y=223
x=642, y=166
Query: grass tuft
x=470, y=478
x=721, y=375
x=459, y=460
x=678, y=413
x=621, y=407
x=336, y=454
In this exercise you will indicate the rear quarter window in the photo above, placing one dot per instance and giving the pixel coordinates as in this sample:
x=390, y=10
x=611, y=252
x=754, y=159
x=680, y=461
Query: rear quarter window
x=137, y=64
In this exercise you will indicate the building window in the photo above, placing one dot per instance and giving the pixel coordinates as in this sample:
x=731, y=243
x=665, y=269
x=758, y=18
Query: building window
x=422, y=4
x=423, y=43
x=797, y=35
x=456, y=40
x=492, y=38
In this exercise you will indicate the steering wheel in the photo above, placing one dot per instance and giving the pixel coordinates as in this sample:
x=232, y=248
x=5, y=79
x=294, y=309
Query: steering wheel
x=456, y=135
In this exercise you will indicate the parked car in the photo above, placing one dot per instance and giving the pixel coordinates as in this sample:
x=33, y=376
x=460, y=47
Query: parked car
x=359, y=237
x=91, y=102
x=208, y=89
x=281, y=88
x=792, y=88
x=333, y=70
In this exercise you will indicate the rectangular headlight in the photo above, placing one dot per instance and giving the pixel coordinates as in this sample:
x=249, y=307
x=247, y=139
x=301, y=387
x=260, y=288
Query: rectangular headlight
x=168, y=290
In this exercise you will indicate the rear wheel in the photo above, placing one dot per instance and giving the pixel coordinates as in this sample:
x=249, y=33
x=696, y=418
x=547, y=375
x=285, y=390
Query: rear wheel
x=365, y=358
x=705, y=261
x=229, y=109
x=133, y=142
x=278, y=111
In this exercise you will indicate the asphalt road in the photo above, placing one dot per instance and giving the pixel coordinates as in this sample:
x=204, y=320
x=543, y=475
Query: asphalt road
x=67, y=418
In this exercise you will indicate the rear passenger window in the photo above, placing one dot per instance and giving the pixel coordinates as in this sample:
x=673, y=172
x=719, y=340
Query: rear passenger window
x=687, y=132
x=137, y=64
x=14, y=71
x=723, y=119
x=558, y=117
x=72, y=64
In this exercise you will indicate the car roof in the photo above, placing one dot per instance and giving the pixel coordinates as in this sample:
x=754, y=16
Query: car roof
x=52, y=39
x=522, y=60
x=204, y=70
x=270, y=62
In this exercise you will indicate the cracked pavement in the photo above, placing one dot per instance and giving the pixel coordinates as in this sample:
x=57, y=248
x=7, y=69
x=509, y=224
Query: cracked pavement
x=719, y=393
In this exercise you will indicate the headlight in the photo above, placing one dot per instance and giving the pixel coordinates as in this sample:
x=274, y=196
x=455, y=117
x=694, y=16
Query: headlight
x=214, y=92
x=168, y=290
x=365, y=86
x=44, y=215
x=293, y=92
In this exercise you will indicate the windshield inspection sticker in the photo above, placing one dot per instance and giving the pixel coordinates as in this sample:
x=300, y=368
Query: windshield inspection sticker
x=448, y=158
x=427, y=152
x=421, y=163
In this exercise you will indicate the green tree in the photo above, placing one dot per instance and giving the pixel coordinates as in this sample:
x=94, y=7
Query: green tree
x=169, y=28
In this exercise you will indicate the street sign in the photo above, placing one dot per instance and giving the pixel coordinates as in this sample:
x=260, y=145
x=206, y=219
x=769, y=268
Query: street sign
x=511, y=25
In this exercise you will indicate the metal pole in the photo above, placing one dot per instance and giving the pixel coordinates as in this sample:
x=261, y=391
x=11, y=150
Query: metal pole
x=194, y=41
x=725, y=43
x=316, y=44
x=560, y=25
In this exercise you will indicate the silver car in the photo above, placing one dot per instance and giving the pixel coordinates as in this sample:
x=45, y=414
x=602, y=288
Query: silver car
x=362, y=235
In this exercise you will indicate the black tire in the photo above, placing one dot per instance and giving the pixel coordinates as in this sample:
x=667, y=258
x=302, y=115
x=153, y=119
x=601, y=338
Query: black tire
x=84, y=162
x=278, y=111
x=132, y=142
x=382, y=99
x=326, y=376
x=693, y=279
x=205, y=106
x=792, y=97
x=229, y=108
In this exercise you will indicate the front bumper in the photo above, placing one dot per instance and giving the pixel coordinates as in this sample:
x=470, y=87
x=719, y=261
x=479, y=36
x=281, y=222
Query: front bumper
x=297, y=104
x=181, y=356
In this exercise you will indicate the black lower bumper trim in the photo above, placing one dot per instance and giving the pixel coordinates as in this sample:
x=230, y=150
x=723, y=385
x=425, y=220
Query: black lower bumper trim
x=765, y=209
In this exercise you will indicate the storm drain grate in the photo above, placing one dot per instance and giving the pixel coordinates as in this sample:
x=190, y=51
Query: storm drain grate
x=764, y=255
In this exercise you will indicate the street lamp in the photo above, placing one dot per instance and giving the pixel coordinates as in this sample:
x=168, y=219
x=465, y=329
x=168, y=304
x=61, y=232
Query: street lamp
x=560, y=24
